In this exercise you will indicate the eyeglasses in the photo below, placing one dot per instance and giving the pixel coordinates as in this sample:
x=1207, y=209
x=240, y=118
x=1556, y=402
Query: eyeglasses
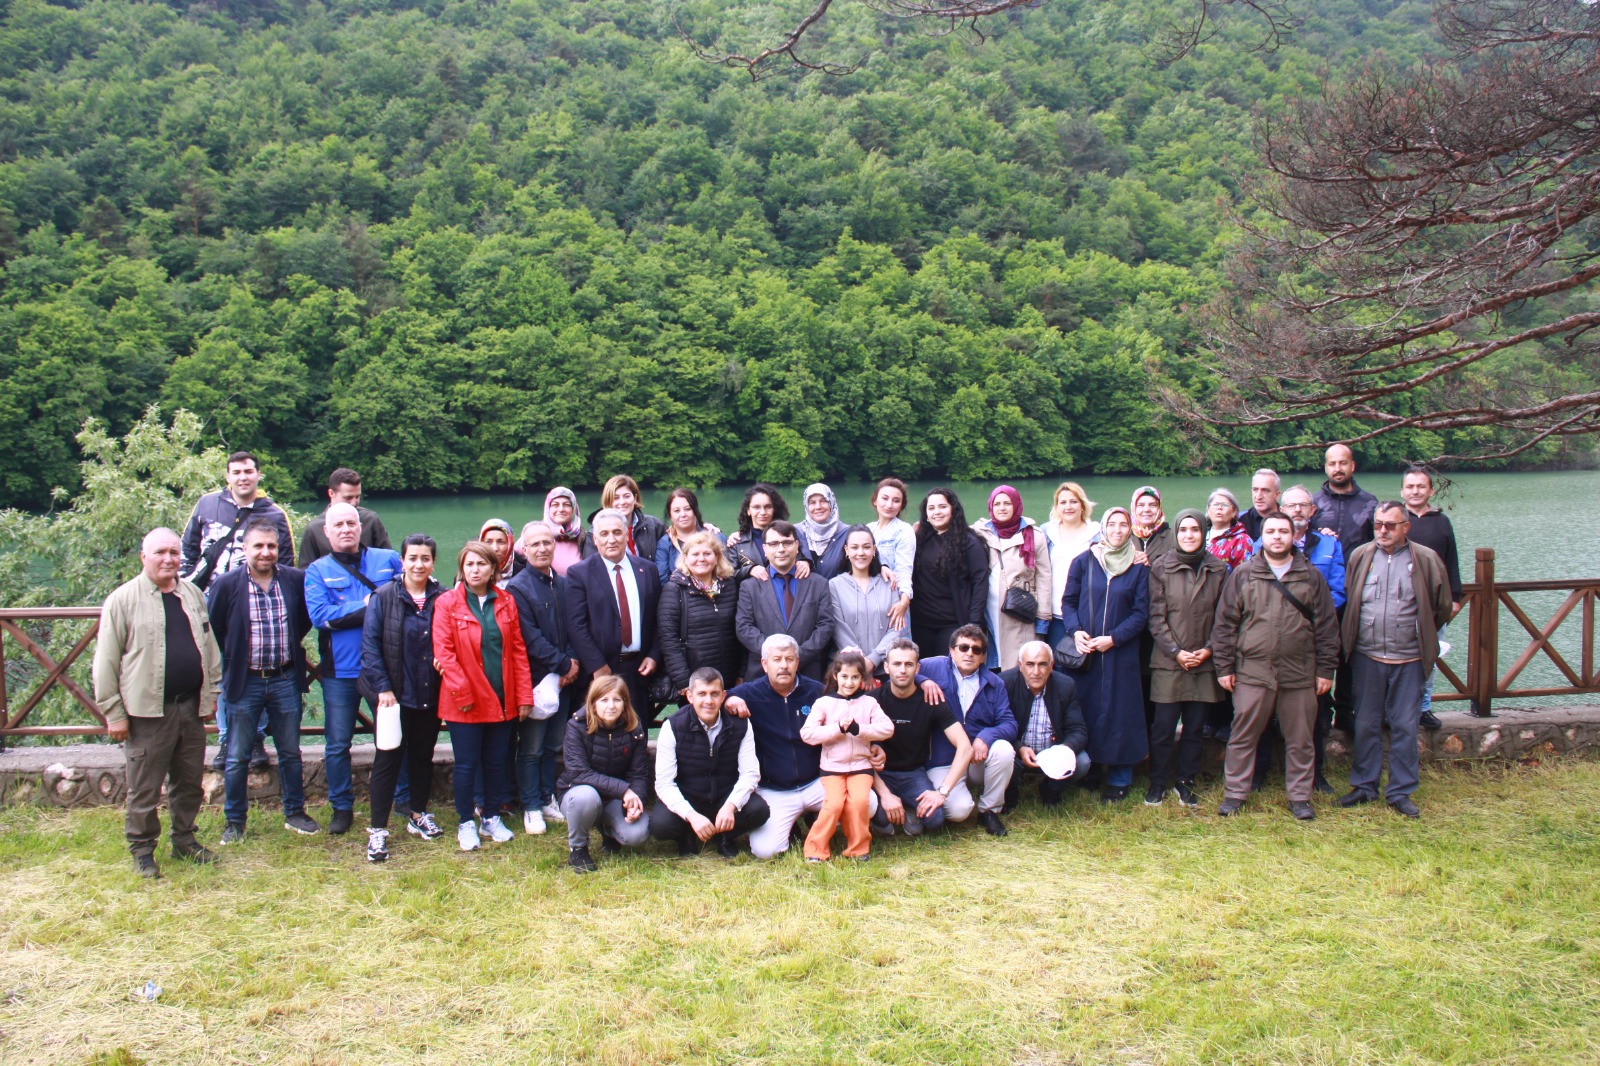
x=968, y=649
x=773, y=542
x=1389, y=525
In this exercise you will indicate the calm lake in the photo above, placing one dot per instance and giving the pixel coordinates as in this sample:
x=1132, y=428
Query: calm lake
x=1542, y=526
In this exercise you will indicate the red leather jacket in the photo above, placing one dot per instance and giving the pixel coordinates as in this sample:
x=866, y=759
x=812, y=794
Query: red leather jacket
x=465, y=694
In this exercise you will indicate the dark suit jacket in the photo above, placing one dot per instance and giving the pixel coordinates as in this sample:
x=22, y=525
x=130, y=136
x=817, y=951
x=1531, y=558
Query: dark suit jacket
x=541, y=610
x=810, y=623
x=228, y=603
x=594, y=627
x=1060, y=699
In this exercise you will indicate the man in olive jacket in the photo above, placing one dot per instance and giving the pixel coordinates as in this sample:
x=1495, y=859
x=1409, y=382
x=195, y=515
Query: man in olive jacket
x=1276, y=645
x=1398, y=595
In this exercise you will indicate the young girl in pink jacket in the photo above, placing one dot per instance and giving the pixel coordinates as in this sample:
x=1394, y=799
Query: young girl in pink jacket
x=845, y=722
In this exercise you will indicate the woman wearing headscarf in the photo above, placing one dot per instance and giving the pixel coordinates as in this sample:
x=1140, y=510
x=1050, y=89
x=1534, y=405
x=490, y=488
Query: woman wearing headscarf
x=1152, y=537
x=496, y=533
x=1185, y=585
x=572, y=540
x=821, y=532
x=1017, y=559
x=1226, y=536
x=1067, y=535
x=1106, y=608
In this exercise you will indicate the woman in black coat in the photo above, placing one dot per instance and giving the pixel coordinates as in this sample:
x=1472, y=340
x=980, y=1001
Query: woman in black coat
x=697, y=612
x=952, y=570
x=607, y=773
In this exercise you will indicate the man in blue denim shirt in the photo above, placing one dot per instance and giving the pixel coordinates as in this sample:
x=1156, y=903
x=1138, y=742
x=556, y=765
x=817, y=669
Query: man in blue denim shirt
x=337, y=589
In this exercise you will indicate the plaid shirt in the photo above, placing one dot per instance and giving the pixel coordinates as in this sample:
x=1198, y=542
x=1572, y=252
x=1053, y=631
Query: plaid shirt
x=269, y=627
x=1039, y=731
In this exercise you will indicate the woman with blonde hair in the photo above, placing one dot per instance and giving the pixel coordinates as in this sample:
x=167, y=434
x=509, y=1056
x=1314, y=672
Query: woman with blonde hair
x=697, y=612
x=605, y=779
x=621, y=493
x=1067, y=535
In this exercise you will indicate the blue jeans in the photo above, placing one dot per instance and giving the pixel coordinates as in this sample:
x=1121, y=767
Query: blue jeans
x=340, y=701
x=222, y=723
x=480, y=745
x=276, y=699
x=538, y=745
x=1427, y=686
x=1118, y=776
x=908, y=785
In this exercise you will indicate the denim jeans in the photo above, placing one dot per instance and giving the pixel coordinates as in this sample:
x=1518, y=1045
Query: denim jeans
x=538, y=745
x=479, y=745
x=1427, y=686
x=222, y=724
x=278, y=700
x=340, y=701
x=908, y=786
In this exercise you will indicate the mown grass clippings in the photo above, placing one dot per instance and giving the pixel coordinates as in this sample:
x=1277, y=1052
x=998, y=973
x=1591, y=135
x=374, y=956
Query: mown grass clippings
x=1091, y=934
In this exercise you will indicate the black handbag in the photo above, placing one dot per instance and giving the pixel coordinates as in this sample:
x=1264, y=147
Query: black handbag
x=1020, y=604
x=1068, y=657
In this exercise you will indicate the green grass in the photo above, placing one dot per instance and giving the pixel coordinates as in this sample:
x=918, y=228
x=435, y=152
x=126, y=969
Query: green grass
x=1086, y=936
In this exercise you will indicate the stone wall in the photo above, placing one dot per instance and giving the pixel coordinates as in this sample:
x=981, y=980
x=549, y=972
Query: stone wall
x=87, y=775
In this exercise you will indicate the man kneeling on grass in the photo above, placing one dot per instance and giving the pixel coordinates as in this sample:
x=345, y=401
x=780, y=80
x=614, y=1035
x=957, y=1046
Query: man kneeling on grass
x=907, y=796
x=706, y=773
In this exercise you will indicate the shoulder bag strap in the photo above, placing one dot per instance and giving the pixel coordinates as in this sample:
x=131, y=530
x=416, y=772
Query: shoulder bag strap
x=1294, y=600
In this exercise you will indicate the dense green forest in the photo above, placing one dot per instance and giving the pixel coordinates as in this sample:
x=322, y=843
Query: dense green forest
x=507, y=244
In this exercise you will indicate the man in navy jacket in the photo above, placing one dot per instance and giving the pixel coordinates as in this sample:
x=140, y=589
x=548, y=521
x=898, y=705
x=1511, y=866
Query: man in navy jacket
x=979, y=699
x=258, y=614
x=601, y=592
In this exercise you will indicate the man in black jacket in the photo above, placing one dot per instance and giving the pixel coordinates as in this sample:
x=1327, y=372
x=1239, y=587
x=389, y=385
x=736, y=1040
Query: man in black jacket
x=258, y=614
x=539, y=593
x=1343, y=507
x=1431, y=528
x=1045, y=705
x=706, y=773
x=344, y=486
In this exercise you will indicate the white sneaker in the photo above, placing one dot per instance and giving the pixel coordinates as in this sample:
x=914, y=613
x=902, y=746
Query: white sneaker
x=552, y=813
x=533, y=823
x=467, y=836
x=377, y=845
x=424, y=825
x=496, y=829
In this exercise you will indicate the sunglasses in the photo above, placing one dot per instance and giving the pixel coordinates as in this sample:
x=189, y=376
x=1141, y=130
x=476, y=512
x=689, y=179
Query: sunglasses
x=968, y=649
x=1389, y=525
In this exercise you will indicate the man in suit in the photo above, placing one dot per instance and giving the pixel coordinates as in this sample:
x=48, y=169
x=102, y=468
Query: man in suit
x=1045, y=704
x=611, y=600
x=258, y=614
x=801, y=607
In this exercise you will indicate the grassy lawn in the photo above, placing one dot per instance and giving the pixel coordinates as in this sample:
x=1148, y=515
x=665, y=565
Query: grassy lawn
x=1088, y=935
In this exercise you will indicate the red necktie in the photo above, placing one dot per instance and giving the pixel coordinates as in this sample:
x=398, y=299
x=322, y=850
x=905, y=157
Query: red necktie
x=622, y=608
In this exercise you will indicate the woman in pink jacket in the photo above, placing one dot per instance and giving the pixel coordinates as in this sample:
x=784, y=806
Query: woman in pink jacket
x=845, y=722
x=485, y=686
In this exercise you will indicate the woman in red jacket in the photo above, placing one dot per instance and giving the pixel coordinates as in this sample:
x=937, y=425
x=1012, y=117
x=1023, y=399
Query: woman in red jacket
x=485, y=686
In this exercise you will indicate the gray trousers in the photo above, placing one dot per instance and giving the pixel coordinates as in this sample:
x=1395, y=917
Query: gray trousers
x=169, y=750
x=1386, y=694
x=582, y=808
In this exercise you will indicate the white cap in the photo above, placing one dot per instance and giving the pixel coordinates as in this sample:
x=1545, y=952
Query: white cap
x=1057, y=761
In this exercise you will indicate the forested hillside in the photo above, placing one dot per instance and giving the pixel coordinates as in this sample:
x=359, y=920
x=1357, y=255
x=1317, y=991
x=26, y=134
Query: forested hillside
x=511, y=244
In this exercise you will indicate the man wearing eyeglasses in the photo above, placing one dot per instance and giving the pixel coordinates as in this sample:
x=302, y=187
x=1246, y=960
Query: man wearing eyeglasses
x=1391, y=636
x=978, y=697
x=800, y=607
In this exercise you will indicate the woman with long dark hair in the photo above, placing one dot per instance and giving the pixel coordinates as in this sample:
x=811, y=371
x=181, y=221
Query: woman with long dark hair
x=863, y=600
x=952, y=568
x=683, y=520
x=762, y=505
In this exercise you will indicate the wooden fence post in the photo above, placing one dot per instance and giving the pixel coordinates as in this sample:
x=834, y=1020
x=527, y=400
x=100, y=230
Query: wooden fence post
x=1485, y=637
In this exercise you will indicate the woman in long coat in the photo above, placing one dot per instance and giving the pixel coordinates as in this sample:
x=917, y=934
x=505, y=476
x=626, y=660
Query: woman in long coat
x=1018, y=557
x=1107, y=608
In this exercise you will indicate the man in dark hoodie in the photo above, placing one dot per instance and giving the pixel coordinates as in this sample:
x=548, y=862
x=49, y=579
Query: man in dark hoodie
x=1431, y=528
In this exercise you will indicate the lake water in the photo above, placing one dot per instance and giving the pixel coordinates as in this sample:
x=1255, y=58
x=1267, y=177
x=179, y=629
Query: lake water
x=1541, y=525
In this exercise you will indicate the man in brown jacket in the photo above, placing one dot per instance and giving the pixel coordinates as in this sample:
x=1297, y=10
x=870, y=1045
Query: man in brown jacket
x=1276, y=645
x=1398, y=595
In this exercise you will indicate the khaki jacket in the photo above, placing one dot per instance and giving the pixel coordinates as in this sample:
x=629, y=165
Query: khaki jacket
x=1262, y=639
x=1183, y=607
x=130, y=655
x=1429, y=579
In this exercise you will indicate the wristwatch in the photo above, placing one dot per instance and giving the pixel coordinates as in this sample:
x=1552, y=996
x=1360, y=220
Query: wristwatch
x=944, y=791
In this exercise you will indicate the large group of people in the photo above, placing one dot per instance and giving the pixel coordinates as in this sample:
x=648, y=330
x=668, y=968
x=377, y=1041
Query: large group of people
x=877, y=677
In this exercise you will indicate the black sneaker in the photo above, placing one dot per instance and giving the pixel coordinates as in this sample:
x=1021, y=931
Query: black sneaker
x=145, y=866
x=219, y=761
x=258, y=757
x=341, y=822
x=1186, y=796
x=196, y=853
x=1301, y=810
x=234, y=834
x=689, y=847
x=609, y=845
x=301, y=823
x=1229, y=807
x=1113, y=793
x=1404, y=806
x=1320, y=784
x=727, y=846
x=1355, y=798
x=991, y=823
x=1153, y=796
x=1430, y=721
x=581, y=861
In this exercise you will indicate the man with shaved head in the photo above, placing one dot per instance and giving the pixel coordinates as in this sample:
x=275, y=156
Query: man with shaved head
x=1344, y=509
x=338, y=586
x=156, y=671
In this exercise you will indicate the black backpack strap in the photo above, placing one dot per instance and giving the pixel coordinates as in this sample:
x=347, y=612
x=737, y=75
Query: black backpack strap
x=355, y=573
x=1295, y=600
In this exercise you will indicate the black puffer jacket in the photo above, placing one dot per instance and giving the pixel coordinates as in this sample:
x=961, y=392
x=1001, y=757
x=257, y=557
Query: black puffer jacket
x=696, y=630
x=611, y=761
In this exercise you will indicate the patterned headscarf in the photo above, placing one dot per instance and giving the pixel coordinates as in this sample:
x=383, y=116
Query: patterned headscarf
x=572, y=530
x=819, y=535
x=1146, y=532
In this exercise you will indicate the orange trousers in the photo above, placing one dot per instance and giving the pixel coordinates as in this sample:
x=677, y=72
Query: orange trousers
x=845, y=800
